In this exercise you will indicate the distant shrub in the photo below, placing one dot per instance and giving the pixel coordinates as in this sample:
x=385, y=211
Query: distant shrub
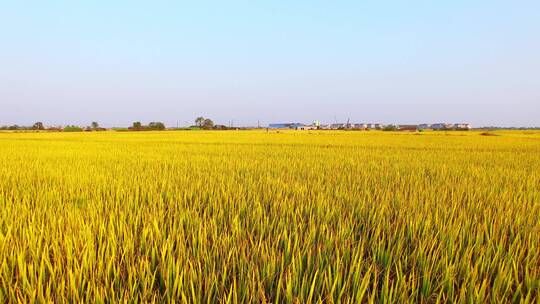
x=488, y=134
x=390, y=128
x=153, y=126
x=156, y=125
x=72, y=129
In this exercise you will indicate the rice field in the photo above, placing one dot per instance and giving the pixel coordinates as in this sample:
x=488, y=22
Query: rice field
x=277, y=217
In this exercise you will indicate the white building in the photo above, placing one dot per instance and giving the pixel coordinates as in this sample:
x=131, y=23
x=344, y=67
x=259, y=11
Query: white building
x=307, y=127
x=441, y=126
x=361, y=126
x=462, y=126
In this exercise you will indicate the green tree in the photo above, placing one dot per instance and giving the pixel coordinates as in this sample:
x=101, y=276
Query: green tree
x=38, y=126
x=207, y=124
x=199, y=121
x=72, y=128
x=95, y=125
x=156, y=126
x=390, y=128
x=137, y=125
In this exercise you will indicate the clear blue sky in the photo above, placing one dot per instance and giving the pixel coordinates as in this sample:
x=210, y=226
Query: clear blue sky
x=274, y=61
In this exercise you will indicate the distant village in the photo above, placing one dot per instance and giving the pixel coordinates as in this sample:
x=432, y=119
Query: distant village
x=202, y=123
x=370, y=126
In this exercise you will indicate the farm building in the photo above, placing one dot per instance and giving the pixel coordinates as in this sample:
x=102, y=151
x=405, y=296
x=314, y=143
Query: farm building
x=361, y=126
x=336, y=126
x=407, y=127
x=292, y=125
x=375, y=126
x=441, y=126
x=462, y=126
x=307, y=127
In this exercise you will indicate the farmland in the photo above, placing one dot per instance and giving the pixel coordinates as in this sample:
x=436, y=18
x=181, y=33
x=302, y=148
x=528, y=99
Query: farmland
x=251, y=216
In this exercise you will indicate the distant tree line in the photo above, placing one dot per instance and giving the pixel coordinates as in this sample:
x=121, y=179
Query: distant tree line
x=390, y=128
x=204, y=123
x=200, y=123
x=36, y=126
x=508, y=128
x=153, y=126
x=39, y=126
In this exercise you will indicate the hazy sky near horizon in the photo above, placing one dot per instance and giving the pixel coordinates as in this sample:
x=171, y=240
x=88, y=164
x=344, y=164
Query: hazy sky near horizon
x=273, y=61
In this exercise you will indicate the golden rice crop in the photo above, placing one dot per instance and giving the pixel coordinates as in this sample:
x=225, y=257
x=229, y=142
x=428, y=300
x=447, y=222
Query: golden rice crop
x=281, y=217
